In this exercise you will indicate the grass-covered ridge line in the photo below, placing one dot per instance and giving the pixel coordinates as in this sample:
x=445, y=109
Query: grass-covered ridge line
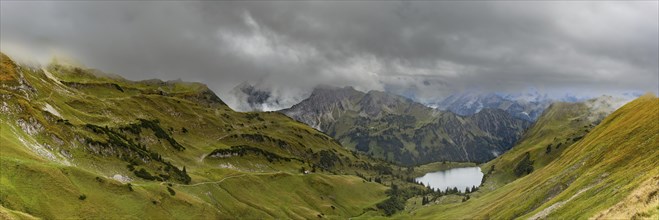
x=561, y=125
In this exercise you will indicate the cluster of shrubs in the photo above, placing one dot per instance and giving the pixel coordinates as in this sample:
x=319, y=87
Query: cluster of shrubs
x=65, y=121
x=154, y=125
x=489, y=172
x=256, y=116
x=119, y=140
x=261, y=138
x=397, y=198
x=142, y=173
x=160, y=133
x=171, y=191
x=242, y=150
x=525, y=166
x=425, y=200
x=382, y=169
x=171, y=172
x=116, y=139
x=326, y=159
x=431, y=195
x=395, y=202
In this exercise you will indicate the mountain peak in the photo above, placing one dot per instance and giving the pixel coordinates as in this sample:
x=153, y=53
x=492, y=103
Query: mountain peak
x=526, y=106
x=375, y=103
x=334, y=94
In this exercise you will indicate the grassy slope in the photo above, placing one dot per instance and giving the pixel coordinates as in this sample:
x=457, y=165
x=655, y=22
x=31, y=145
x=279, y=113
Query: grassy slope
x=557, y=129
x=46, y=167
x=618, y=157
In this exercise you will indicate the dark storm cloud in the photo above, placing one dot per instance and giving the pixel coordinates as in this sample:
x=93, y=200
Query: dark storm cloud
x=420, y=49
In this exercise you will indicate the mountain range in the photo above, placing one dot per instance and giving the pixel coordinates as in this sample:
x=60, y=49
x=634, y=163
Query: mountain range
x=398, y=129
x=528, y=107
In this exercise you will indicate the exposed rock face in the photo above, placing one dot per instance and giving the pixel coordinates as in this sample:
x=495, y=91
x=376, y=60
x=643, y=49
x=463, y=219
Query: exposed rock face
x=122, y=178
x=31, y=126
x=320, y=108
x=401, y=130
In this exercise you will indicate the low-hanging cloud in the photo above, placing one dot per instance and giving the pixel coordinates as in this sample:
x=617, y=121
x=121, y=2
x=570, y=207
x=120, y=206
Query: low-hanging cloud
x=424, y=50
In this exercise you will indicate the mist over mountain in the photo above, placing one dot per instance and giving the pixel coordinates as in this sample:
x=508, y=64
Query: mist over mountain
x=527, y=105
x=249, y=98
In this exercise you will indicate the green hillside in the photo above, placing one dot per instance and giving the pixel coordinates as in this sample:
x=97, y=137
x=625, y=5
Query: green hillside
x=79, y=143
x=560, y=125
x=612, y=172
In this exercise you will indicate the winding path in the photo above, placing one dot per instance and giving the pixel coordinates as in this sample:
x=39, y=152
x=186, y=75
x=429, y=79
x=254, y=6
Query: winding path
x=228, y=177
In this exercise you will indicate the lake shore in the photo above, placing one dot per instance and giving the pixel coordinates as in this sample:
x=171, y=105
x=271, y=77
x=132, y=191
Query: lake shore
x=439, y=166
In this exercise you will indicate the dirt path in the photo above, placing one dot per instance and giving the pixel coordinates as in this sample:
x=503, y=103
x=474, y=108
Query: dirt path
x=228, y=177
x=545, y=212
x=201, y=158
x=211, y=182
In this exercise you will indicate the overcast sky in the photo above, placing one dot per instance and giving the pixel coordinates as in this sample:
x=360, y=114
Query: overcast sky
x=422, y=49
